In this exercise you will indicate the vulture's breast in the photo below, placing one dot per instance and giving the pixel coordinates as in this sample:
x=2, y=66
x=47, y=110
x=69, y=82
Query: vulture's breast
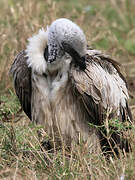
x=56, y=106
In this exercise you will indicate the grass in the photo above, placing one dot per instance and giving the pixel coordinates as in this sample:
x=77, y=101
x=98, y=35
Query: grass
x=110, y=27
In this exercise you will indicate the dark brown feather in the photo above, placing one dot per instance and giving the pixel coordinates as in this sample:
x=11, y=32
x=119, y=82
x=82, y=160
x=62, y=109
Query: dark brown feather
x=22, y=81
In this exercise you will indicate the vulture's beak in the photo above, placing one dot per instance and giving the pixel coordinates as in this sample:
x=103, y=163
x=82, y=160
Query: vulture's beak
x=77, y=59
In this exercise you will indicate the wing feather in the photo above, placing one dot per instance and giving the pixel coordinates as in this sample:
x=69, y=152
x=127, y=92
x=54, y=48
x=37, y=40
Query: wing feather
x=22, y=81
x=102, y=87
x=103, y=91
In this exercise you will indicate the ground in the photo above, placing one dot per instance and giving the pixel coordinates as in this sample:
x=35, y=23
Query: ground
x=109, y=26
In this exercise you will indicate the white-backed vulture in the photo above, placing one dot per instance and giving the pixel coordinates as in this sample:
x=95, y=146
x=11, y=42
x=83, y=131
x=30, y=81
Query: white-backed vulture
x=64, y=86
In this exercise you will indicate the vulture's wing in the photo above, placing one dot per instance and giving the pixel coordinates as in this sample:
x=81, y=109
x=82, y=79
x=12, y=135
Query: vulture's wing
x=22, y=81
x=102, y=88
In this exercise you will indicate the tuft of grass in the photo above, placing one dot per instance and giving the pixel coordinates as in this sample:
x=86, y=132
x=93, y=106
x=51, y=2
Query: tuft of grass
x=9, y=106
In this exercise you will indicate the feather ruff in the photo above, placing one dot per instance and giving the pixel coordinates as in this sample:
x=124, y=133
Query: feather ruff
x=35, y=51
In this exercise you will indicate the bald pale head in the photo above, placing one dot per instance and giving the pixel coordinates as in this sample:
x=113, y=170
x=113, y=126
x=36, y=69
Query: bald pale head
x=64, y=36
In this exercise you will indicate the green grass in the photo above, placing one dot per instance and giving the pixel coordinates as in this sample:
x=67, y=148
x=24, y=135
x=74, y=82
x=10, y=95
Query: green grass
x=110, y=27
x=9, y=106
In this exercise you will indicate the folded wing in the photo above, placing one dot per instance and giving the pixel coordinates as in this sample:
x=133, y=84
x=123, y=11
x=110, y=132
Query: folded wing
x=22, y=81
x=102, y=88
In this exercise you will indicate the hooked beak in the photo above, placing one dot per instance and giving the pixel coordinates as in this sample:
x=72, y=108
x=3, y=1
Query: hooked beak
x=78, y=60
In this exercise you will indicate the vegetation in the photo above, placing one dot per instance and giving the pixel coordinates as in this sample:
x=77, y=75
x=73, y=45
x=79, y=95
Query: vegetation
x=109, y=26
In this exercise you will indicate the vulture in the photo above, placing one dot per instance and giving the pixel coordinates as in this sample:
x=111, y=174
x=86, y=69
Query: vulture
x=69, y=88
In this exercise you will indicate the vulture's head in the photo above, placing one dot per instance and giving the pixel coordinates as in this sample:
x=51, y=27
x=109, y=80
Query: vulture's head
x=63, y=41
